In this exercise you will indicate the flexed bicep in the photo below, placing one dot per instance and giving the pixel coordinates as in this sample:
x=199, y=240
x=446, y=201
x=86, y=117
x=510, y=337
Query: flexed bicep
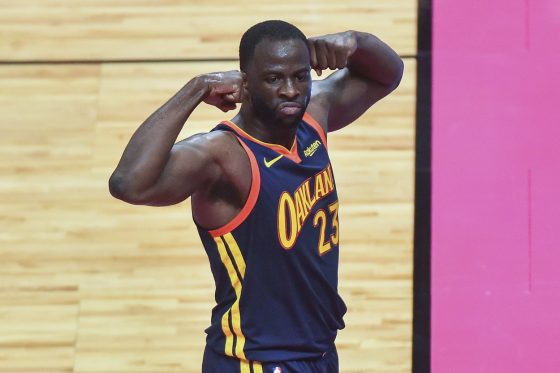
x=191, y=165
x=371, y=71
x=354, y=95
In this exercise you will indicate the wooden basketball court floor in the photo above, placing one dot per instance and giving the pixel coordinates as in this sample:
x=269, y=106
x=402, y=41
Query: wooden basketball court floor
x=90, y=284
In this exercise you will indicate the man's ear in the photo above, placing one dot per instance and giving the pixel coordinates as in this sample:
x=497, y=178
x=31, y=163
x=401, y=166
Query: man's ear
x=245, y=83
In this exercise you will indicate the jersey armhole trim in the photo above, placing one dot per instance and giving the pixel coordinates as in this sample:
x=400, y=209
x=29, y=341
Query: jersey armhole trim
x=316, y=126
x=251, y=198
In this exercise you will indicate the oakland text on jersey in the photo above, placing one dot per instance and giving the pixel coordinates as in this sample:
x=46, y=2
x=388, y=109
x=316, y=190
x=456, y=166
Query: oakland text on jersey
x=293, y=209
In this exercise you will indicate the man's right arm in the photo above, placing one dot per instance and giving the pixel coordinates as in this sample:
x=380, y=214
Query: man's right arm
x=155, y=171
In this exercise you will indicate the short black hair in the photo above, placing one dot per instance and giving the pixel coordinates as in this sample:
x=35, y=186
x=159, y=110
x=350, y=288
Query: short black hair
x=273, y=30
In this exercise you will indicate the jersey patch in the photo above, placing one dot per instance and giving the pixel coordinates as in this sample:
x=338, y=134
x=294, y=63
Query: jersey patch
x=311, y=149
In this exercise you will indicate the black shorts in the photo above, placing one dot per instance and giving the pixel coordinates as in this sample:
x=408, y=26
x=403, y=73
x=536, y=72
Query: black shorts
x=214, y=362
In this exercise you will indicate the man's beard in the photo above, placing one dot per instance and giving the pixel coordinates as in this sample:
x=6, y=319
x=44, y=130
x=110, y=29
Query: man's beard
x=266, y=114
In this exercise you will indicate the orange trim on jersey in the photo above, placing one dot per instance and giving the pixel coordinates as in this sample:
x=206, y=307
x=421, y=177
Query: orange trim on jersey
x=291, y=154
x=313, y=123
x=251, y=199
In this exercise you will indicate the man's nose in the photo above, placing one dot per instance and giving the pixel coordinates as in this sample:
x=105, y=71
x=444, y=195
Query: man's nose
x=289, y=89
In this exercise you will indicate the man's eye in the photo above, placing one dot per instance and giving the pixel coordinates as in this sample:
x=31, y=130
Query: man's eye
x=272, y=79
x=302, y=77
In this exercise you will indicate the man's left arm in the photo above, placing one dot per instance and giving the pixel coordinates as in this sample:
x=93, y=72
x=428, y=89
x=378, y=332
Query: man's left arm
x=368, y=71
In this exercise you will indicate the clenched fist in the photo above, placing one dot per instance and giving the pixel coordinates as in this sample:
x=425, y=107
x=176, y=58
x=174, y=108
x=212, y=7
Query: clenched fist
x=224, y=89
x=331, y=51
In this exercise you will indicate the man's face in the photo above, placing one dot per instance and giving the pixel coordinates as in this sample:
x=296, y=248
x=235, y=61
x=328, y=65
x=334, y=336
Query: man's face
x=278, y=81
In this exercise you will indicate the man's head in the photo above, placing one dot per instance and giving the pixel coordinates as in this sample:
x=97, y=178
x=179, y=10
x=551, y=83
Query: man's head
x=273, y=30
x=274, y=59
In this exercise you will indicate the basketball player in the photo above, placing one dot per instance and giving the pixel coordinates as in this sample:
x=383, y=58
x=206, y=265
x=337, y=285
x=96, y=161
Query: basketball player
x=263, y=192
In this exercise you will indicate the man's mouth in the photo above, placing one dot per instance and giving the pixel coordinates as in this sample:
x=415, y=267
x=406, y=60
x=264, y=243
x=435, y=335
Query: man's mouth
x=290, y=108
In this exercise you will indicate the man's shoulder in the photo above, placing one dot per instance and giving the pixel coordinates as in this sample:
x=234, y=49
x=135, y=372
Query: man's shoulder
x=317, y=110
x=324, y=93
x=216, y=143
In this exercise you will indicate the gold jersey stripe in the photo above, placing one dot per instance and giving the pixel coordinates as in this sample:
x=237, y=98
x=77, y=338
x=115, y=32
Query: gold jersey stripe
x=236, y=251
x=235, y=312
x=236, y=321
x=257, y=367
x=228, y=334
x=236, y=284
x=246, y=366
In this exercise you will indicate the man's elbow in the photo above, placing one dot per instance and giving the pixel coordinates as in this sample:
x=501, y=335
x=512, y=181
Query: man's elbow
x=398, y=71
x=121, y=189
x=117, y=186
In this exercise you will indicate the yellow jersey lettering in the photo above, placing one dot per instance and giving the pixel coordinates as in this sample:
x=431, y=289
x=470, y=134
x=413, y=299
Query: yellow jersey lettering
x=287, y=210
x=293, y=209
x=319, y=188
x=300, y=211
x=329, y=184
x=308, y=194
x=303, y=192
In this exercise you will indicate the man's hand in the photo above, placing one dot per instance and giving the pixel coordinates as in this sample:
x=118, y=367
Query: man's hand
x=153, y=169
x=224, y=89
x=369, y=71
x=331, y=51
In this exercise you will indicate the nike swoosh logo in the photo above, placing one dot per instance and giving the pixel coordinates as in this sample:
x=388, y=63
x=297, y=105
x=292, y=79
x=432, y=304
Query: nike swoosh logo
x=272, y=161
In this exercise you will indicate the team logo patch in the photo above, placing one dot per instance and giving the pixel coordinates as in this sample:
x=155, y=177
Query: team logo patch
x=272, y=161
x=277, y=370
x=311, y=149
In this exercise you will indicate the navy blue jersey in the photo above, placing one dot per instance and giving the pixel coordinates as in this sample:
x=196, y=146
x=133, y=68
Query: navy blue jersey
x=276, y=263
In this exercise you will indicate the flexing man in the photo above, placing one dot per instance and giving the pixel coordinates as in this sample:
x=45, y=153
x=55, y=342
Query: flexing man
x=263, y=193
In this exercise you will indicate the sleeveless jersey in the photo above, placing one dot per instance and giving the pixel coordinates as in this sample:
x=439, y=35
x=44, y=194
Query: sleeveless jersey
x=275, y=264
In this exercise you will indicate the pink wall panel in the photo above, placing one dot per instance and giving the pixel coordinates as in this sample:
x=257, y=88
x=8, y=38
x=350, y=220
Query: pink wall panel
x=544, y=20
x=496, y=186
x=454, y=30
